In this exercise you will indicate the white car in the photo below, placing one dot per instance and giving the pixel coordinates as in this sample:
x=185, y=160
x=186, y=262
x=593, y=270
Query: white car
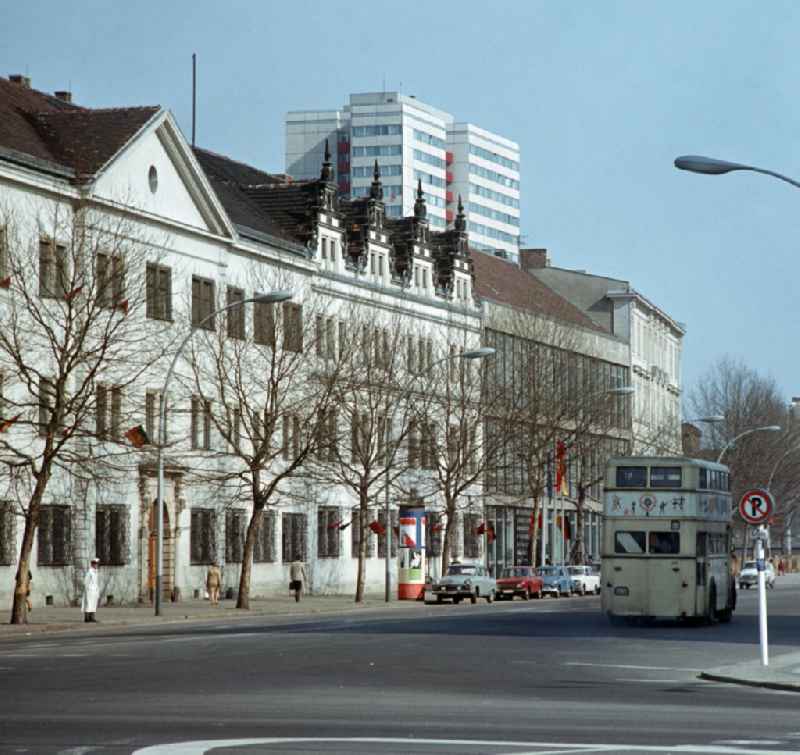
x=585, y=580
x=749, y=575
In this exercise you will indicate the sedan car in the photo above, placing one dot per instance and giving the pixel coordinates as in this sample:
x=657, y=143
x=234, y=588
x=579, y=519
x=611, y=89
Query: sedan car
x=584, y=579
x=748, y=576
x=519, y=580
x=471, y=581
x=556, y=580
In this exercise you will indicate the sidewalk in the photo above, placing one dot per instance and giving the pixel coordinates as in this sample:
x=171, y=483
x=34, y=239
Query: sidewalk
x=60, y=618
x=782, y=673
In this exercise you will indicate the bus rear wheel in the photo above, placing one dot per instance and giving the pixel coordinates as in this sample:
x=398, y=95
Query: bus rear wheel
x=711, y=612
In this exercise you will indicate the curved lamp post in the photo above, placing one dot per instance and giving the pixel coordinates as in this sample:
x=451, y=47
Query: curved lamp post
x=480, y=353
x=767, y=428
x=268, y=298
x=713, y=167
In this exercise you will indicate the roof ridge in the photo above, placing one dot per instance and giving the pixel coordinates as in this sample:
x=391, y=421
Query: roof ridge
x=91, y=110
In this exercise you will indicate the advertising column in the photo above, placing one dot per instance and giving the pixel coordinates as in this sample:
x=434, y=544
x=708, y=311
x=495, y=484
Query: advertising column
x=411, y=550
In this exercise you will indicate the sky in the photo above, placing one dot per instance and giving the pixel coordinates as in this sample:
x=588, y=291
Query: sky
x=600, y=96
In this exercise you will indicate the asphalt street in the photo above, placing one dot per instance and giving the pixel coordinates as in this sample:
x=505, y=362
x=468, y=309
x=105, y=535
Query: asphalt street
x=547, y=676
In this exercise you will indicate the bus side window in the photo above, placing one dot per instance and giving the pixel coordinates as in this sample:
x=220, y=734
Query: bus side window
x=701, y=544
x=703, y=478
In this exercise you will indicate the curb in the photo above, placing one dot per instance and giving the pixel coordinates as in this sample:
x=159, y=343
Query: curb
x=783, y=686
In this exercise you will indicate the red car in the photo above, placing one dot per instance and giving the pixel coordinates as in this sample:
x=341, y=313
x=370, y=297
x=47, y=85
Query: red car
x=519, y=580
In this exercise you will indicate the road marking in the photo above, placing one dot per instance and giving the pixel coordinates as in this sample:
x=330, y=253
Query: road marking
x=651, y=681
x=748, y=742
x=200, y=747
x=629, y=666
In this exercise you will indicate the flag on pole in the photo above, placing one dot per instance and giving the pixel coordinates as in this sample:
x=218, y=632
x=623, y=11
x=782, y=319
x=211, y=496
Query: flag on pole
x=377, y=527
x=6, y=423
x=137, y=436
x=561, y=468
x=481, y=528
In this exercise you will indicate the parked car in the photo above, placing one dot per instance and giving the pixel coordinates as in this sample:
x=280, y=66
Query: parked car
x=556, y=580
x=749, y=575
x=519, y=580
x=584, y=580
x=471, y=581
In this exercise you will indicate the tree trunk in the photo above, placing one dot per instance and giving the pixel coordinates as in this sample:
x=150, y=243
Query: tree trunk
x=363, y=542
x=449, y=534
x=243, y=599
x=535, y=533
x=578, y=555
x=19, y=609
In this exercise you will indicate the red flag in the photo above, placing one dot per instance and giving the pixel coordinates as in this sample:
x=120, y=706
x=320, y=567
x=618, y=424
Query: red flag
x=490, y=536
x=481, y=528
x=408, y=542
x=561, y=468
x=377, y=527
x=123, y=305
x=5, y=424
x=137, y=436
x=5, y=282
x=334, y=525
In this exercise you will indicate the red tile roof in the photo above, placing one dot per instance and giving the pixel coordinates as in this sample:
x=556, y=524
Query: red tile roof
x=504, y=282
x=79, y=139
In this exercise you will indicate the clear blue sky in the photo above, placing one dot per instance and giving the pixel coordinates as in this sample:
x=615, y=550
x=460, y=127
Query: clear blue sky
x=601, y=96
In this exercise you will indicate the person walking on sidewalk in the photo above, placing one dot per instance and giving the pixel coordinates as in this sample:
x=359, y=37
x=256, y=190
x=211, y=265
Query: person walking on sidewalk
x=297, y=578
x=213, y=583
x=91, y=592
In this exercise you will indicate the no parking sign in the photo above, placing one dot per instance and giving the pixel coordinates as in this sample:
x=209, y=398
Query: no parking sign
x=756, y=506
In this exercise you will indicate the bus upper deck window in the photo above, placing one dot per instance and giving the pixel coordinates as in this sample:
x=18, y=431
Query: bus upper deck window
x=629, y=542
x=631, y=477
x=703, y=478
x=665, y=477
x=662, y=543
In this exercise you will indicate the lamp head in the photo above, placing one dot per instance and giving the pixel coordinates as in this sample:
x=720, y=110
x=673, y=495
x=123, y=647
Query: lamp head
x=273, y=296
x=481, y=353
x=708, y=165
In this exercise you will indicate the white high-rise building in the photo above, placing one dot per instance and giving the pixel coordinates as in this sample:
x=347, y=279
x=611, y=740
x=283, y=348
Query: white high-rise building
x=412, y=142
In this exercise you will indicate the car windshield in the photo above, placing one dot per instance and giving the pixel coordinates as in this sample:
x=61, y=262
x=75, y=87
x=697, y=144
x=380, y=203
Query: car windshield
x=749, y=565
x=548, y=571
x=516, y=571
x=455, y=570
x=576, y=569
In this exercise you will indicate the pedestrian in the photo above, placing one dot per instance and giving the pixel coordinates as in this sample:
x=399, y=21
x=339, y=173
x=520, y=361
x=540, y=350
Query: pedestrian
x=213, y=582
x=297, y=578
x=91, y=592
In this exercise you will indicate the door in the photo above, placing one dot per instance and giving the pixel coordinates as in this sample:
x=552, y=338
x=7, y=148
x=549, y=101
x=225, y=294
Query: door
x=168, y=577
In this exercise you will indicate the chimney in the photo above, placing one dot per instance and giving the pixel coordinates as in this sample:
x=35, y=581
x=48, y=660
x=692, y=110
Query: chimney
x=532, y=259
x=64, y=95
x=18, y=78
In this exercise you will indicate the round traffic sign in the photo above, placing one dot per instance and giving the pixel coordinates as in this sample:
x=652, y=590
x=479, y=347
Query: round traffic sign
x=755, y=506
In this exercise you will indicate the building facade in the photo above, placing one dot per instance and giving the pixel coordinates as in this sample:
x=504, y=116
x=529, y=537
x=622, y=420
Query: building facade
x=413, y=142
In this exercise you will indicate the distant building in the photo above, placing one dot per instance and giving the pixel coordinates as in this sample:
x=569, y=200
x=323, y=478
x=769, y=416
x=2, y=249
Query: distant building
x=655, y=338
x=413, y=141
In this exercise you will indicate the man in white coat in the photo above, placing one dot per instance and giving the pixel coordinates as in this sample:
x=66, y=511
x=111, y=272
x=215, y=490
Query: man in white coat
x=91, y=591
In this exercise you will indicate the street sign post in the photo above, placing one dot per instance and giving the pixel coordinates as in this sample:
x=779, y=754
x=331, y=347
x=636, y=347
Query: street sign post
x=756, y=507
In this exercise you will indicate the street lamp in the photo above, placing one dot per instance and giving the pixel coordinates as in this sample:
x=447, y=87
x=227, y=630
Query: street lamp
x=479, y=353
x=767, y=428
x=713, y=167
x=268, y=298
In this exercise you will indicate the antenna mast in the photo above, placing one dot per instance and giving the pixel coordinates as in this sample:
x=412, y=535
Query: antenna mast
x=194, y=95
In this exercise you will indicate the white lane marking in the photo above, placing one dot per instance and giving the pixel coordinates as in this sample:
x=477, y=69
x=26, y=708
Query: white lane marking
x=200, y=747
x=629, y=666
x=748, y=742
x=650, y=681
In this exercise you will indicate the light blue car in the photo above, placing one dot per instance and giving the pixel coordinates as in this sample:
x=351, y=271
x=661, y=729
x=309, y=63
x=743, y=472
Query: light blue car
x=556, y=579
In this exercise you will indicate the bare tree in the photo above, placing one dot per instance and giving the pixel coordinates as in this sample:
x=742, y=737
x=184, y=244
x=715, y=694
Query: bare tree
x=73, y=339
x=372, y=421
x=265, y=390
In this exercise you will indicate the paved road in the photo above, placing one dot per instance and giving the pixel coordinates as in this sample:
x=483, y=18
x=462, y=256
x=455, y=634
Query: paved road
x=544, y=676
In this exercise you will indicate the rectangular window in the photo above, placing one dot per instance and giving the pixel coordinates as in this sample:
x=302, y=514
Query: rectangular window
x=472, y=544
x=201, y=424
x=631, y=477
x=111, y=535
x=428, y=450
x=629, y=542
x=235, y=429
x=159, y=292
x=292, y=327
x=203, y=536
x=328, y=534
x=665, y=477
x=110, y=279
x=235, y=531
x=151, y=417
x=47, y=395
x=235, y=315
x=108, y=411
x=55, y=536
x=53, y=281
x=264, y=324
x=395, y=534
x=264, y=550
x=293, y=538
x=202, y=303
x=324, y=243
x=413, y=445
x=664, y=543
x=8, y=542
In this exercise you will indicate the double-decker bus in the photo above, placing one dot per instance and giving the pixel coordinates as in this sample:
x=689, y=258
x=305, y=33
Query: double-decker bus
x=666, y=550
